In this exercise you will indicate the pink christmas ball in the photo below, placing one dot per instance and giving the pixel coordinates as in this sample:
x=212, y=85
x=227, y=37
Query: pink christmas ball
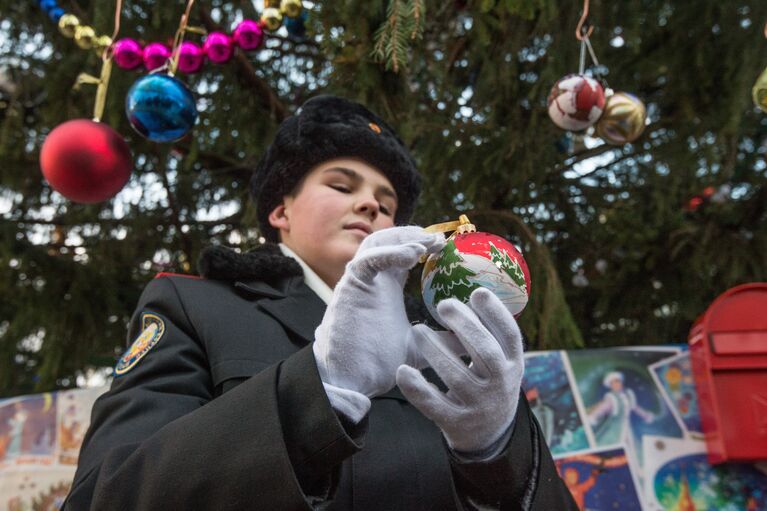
x=127, y=53
x=190, y=57
x=155, y=55
x=248, y=35
x=218, y=47
x=576, y=102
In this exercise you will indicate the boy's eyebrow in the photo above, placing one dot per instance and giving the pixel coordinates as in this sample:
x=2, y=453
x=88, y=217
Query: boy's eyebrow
x=354, y=176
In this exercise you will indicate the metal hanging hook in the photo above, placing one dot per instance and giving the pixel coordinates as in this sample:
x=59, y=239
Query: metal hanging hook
x=583, y=30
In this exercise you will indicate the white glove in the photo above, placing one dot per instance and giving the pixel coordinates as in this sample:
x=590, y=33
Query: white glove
x=365, y=334
x=477, y=412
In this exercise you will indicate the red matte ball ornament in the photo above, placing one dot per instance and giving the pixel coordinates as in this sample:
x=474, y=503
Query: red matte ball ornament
x=85, y=161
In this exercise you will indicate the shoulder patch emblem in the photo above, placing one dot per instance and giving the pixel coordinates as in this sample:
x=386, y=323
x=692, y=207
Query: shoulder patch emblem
x=153, y=328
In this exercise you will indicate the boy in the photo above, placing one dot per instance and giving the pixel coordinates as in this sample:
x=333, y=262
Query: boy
x=270, y=383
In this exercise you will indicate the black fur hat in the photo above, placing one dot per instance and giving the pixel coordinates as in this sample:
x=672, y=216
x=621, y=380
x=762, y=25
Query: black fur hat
x=324, y=128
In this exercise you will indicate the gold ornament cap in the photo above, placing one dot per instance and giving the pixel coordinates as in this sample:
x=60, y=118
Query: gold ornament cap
x=623, y=119
x=759, y=92
x=68, y=24
x=271, y=18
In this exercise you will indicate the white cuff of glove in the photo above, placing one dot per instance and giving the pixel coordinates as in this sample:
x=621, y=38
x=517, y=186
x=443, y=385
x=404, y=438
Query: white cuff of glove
x=352, y=405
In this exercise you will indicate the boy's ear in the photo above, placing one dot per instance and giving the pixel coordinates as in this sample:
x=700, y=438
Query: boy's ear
x=279, y=219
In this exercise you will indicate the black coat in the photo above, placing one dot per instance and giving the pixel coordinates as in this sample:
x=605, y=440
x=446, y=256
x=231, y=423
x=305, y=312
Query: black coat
x=227, y=412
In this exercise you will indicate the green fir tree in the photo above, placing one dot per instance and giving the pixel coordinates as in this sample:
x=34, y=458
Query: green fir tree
x=509, y=265
x=451, y=279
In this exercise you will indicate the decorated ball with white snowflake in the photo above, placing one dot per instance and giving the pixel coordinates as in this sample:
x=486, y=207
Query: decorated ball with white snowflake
x=576, y=102
x=472, y=260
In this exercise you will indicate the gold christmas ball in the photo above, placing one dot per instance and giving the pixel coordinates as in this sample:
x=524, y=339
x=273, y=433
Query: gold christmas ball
x=271, y=18
x=68, y=23
x=272, y=3
x=101, y=43
x=85, y=37
x=759, y=92
x=291, y=8
x=623, y=119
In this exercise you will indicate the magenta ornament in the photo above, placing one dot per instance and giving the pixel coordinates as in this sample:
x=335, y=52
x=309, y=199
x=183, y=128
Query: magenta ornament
x=248, y=35
x=218, y=47
x=190, y=57
x=127, y=53
x=155, y=55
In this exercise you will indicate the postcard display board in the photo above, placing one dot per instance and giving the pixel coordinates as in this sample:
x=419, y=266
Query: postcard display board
x=622, y=424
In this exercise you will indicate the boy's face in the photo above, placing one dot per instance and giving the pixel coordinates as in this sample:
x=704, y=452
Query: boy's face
x=338, y=204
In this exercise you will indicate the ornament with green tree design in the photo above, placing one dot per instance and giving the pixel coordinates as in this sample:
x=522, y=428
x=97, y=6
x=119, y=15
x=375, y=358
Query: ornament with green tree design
x=476, y=259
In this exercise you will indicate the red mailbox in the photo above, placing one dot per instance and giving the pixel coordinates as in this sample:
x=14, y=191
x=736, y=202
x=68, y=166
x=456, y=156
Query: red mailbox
x=728, y=351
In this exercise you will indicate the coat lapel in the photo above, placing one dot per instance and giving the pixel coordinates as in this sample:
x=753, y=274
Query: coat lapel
x=297, y=307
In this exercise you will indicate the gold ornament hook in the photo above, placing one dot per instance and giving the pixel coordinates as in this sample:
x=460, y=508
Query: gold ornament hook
x=461, y=226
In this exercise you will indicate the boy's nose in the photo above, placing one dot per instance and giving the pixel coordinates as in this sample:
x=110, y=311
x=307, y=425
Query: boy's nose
x=368, y=206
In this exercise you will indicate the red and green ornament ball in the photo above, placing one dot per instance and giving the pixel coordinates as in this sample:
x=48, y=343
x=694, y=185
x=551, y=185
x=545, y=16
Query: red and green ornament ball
x=472, y=260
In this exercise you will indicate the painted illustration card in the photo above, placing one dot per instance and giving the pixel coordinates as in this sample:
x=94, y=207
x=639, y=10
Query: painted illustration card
x=28, y=430
x=74, y=413
x=675, y=379
x=600, y=479
x=548, y=389
x=621, y=399
x=678, y=477
x=28, y=489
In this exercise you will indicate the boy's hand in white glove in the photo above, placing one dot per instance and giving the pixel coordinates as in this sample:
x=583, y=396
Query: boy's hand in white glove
x=365, y=334
x=477, y=412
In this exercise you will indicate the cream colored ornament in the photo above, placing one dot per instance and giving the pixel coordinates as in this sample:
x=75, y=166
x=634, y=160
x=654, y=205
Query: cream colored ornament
x=85, y=37
x=759, y=92
x=623, y=119
x=68, y=23
x=101, y=43
x=271, y=18
x=291, y=8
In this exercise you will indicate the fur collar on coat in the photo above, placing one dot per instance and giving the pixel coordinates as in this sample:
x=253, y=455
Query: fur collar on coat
x=266, y=262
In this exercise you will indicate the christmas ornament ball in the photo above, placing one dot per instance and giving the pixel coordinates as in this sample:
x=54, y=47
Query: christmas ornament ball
x=248, y=35
x=190, y=57
x=296, y=27
x=68, y=24
x=85, y=161
x=759, y=91
x=623, y=119
x=576, y=102
x=291, y=8
x=160, y=108
x=127, y=53
x=85, y=36
x=156, y=55
x=472, y=260
x=218, y=47
x=271, y=18
x=101, y=43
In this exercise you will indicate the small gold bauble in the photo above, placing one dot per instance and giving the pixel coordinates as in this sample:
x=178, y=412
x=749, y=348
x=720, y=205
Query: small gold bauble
x=759, y=92
x=291, y=8
x=85, y=36
x=271, y=18
x=623, y=119
x=272, y=3
x=101, y=43
x=68, y=23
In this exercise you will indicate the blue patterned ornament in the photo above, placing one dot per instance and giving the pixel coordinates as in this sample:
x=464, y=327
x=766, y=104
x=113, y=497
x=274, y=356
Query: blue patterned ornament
x=160, y=108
